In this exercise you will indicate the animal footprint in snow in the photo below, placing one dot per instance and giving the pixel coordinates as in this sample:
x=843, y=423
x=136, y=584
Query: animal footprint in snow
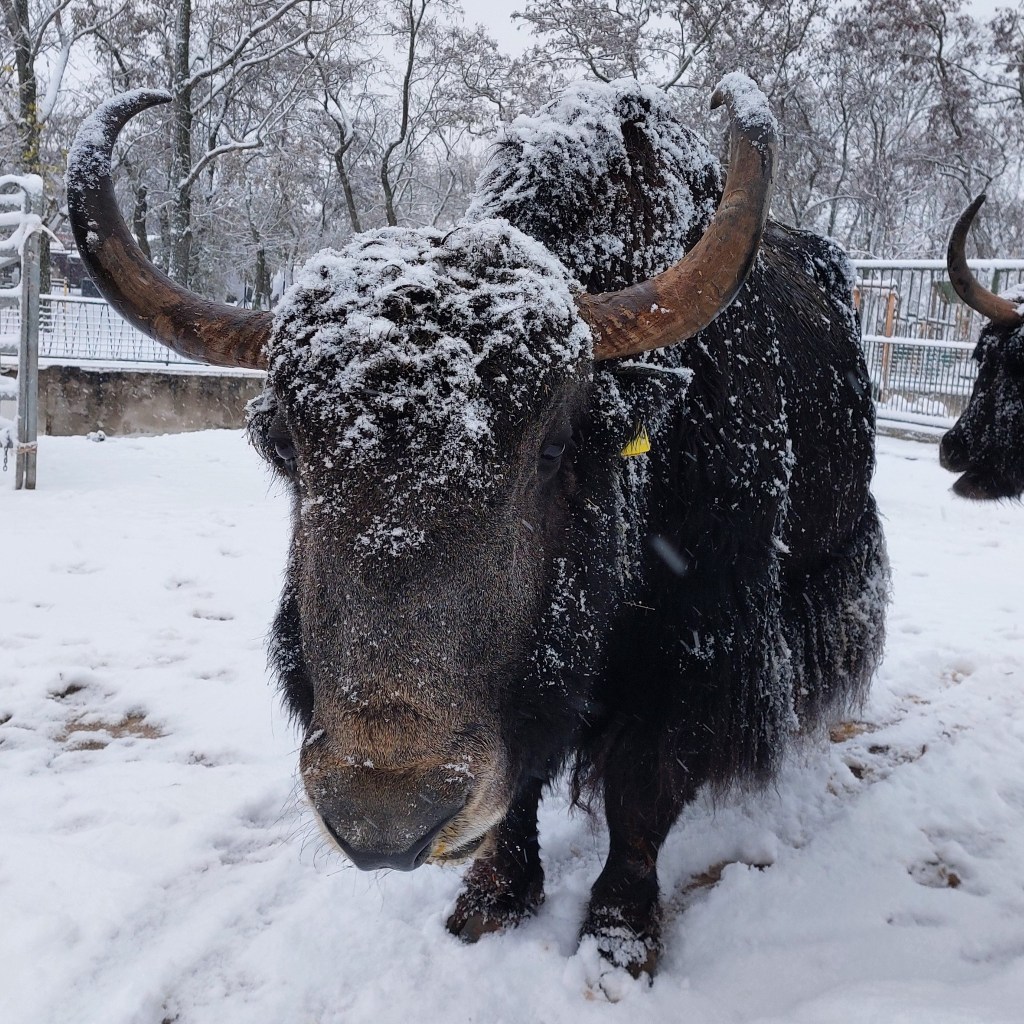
x=83, y=734
x=70, y=687
x=878, y=761
x=215, y=673
x=957, y=672
x=76, y=568
x=844, y=731
x=212, y=616
x=936, y=874
x=699, y=885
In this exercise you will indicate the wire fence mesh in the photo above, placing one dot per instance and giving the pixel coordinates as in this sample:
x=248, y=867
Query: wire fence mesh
x=73, y=327
x=917, y=335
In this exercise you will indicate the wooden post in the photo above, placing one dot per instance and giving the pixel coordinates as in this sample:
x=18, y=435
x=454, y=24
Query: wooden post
x=888, y=330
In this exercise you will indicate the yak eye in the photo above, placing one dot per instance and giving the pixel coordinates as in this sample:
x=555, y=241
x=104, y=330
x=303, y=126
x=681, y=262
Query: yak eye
x=551, y=454
x=282, y=442
x=285, y=450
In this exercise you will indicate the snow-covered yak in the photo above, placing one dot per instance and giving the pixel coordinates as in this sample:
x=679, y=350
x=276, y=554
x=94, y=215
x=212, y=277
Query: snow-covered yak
x=986, y=444
x=491, y=581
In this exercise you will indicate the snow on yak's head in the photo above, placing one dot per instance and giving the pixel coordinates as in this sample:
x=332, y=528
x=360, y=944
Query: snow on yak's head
x=423, y=391
x=432, y=404
x=986, y=444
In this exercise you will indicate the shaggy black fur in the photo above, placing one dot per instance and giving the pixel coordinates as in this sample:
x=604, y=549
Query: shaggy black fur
x=986, y=444
x=760, y=602
x=702, y=604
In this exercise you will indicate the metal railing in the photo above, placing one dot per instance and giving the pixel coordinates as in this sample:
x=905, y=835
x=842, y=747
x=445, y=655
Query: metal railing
x=918, y=337
x=77, y=329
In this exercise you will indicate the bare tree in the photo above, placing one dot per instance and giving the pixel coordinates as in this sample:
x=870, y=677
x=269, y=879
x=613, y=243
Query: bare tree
x=38, y=40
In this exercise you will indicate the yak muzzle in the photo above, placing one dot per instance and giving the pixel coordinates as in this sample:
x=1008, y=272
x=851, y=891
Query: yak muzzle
x=371, y=848
x=387, y=815
x=953, y=453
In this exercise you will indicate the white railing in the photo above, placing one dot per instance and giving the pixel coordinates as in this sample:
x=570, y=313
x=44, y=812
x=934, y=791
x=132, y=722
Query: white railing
x=918, y=337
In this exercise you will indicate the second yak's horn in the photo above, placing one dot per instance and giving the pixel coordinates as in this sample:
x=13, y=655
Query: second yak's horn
x=684, y=299
x=196, y=328
x=965, y=284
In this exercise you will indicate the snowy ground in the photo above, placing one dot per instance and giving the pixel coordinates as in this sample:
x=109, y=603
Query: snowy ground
x=156, y=864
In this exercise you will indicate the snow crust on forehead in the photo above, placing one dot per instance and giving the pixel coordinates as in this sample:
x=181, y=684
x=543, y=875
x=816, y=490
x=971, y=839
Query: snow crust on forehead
x=418, y=354
x=607, y=177
x=404, y=299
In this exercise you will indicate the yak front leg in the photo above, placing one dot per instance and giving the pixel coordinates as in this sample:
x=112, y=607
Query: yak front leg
x=507, y=884
x=624, y=915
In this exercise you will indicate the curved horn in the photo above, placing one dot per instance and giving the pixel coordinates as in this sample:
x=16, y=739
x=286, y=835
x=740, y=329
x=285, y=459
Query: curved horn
x=965, y=284
x=684, y=299
x=195, y=327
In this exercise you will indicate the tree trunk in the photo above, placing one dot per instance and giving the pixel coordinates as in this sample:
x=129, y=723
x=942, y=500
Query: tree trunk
x=346, y=184
x=139, y=213
x=261, y=284
x=179, y=264
x=16, y=16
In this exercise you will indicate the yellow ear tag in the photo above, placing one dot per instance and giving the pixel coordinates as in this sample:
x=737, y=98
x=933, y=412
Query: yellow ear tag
x=638, y=444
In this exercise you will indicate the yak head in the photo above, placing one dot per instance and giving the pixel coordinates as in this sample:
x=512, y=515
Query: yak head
x=986, y=444
x=431, y=404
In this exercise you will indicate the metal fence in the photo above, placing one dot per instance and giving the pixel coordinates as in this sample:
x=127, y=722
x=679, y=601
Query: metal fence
x=22, y=195
x=10, y=322
x=918, y=337
x=77, y=329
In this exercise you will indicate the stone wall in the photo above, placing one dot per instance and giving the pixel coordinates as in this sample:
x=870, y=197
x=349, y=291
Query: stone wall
x=77, y=400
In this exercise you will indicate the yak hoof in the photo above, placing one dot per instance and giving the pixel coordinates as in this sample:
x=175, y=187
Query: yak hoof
x=490, y=902
x=627, y=937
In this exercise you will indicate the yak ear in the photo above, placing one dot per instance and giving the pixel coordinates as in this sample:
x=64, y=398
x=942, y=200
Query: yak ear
x=194, y=327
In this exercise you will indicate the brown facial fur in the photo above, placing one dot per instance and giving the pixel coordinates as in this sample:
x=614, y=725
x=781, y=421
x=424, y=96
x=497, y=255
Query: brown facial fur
x=407, y=680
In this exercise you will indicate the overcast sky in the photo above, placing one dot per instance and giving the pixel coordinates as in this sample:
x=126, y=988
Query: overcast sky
x=497, y=16
x=514, y=37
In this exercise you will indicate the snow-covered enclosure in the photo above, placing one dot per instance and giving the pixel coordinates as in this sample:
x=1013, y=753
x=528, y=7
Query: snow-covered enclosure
x=157, y=863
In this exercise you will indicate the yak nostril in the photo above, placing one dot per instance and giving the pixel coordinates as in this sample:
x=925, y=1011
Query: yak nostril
x=408, y=859
x=952, y=455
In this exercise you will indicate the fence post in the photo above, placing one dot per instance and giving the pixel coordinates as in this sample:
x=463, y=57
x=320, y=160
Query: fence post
x=28, y=348
x=888, y=330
